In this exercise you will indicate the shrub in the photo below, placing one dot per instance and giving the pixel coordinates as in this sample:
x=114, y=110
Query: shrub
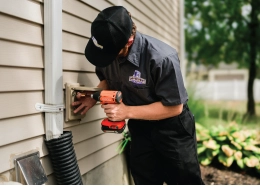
x=229, y=145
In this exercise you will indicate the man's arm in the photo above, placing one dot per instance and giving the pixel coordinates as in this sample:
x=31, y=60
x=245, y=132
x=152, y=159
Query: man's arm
x=154, y=111
x=103, y=85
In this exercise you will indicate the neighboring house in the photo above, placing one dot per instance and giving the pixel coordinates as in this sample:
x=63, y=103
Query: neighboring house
x=22, y=72
x=228, y=72
x=226, y=82
x=222, y=72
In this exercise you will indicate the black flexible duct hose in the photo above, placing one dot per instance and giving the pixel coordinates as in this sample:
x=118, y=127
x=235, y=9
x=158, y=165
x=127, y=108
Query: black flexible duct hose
x=63, y=159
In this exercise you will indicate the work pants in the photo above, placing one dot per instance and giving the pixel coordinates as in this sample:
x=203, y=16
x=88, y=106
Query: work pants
x=165, y=151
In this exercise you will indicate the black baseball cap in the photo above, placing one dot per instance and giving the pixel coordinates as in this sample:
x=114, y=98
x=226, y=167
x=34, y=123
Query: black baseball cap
x=110, y=32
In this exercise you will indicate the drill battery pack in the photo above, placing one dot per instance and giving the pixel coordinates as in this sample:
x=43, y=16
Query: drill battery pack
x=113, y=127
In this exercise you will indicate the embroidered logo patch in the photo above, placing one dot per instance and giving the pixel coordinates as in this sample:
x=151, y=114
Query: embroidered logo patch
x=136, y=78
x=96, y=43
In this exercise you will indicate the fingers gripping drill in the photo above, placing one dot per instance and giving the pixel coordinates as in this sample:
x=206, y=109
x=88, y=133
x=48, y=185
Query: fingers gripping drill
x=110, y=97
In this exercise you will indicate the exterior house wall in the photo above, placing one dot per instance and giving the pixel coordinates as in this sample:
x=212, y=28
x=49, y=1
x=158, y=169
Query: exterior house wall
x=22, y=127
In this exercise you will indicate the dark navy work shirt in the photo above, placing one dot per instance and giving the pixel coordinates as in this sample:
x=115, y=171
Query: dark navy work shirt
x=150, y=73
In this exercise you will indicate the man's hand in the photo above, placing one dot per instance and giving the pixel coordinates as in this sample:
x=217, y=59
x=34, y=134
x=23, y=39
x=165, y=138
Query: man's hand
x=84, y=101
x=116, y=112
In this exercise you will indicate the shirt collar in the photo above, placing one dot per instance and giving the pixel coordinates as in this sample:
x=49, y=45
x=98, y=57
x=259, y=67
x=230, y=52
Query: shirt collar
x=135, y=51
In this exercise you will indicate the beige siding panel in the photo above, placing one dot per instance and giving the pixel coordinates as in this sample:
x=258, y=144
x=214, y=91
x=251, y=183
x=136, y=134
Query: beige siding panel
x=157, y=12
x=145, y=30
x=97, y=158
x=166, y=6
x=13, y=130
x=39, y=1
x=19, y=103
x=165, y=12
x=21, y=31
x=75, y=25
x=85, y=147
x=95, y=113
x=170, y=1
x=86, y=79
x=46, y=164
x=7, y=176
x=24, y=9
x=175, y=12
x=51, y=180
x=165, y=26
x=98, y=4
x=20, y=79
x=80, y=9
x=8, y=152
x=88, y=139
x=92, y=145
x=85, y=131
x=142, y=18
x=73, y=43
x=17, y=54
x=77, y=62
x=175, y=22
x=82, y=149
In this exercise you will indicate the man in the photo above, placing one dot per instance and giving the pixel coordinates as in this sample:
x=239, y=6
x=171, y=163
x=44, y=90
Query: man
x=147, y=71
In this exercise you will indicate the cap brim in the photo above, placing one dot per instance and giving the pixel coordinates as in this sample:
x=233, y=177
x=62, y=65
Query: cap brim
x=97, y=56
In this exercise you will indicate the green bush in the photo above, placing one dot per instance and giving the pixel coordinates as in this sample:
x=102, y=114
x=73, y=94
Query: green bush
x=229, y=145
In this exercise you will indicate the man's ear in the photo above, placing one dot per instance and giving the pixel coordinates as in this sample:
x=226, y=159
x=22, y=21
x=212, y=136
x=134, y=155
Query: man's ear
x=130, y=41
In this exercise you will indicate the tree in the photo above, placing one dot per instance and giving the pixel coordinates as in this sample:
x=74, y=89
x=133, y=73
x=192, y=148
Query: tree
x=225, y=30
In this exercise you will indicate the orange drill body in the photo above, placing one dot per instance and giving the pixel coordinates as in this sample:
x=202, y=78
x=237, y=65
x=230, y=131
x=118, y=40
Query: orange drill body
x=110, y=97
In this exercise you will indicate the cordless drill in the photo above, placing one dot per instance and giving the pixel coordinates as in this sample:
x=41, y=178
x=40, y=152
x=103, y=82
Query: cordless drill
x=110, y=97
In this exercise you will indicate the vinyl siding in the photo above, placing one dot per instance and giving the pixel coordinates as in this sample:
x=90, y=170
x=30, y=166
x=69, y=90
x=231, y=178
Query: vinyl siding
x=22, y=83
x=22, y=127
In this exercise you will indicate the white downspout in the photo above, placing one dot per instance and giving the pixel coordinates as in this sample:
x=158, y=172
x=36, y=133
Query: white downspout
x=182, y=41
x=53, y=67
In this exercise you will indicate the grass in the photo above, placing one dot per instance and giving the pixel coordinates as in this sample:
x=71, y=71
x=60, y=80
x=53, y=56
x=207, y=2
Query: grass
x=210, y=113
x=224, y=112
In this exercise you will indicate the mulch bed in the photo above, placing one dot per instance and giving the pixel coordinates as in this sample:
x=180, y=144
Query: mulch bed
x=218, y=175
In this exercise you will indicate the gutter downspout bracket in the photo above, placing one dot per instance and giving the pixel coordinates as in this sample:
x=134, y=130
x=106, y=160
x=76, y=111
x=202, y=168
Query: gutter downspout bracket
x=49, y=108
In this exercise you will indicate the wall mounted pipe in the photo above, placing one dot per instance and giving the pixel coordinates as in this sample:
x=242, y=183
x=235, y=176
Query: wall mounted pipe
x=53, y=66
x=63, y=159
x=59, y=144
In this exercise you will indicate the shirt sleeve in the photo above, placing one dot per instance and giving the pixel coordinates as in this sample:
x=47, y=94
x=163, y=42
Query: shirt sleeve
x=169, y=86
x=99, y=73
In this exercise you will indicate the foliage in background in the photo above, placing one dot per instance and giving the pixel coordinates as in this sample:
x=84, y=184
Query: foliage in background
x=195, y=103
x=220, y=138
x=229, y=145
x=210, y=112
x=224, y=30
